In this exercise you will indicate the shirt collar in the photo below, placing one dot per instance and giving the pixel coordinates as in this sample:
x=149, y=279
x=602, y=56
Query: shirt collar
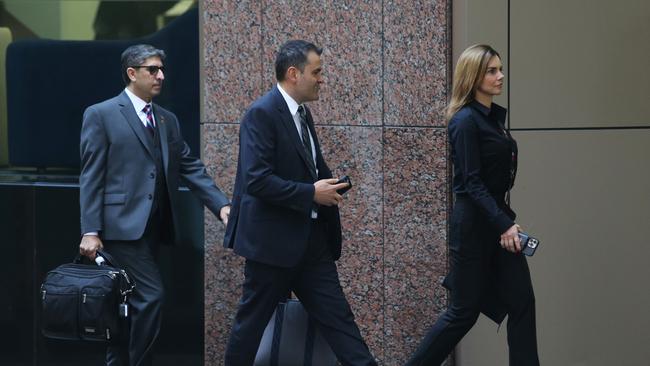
x=291, y=103
x=138, y=103
x=496, y=110
x=480, y=107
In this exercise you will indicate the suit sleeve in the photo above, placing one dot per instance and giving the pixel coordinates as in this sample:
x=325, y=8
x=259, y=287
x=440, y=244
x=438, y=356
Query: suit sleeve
x=464, y=138
x=194, y=174
x=93, y=150
x=258, y=148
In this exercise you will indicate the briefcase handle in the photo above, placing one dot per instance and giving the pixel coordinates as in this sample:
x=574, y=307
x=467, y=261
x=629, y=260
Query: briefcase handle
x=108, y=259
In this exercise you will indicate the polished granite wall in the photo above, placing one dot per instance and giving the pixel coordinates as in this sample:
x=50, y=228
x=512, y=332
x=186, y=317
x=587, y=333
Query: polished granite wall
x=380, y=120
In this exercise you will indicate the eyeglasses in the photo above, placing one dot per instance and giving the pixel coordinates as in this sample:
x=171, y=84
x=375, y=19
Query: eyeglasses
x=153, y=69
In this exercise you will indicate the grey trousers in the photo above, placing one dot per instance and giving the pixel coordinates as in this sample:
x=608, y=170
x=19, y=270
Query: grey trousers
x=145, y=303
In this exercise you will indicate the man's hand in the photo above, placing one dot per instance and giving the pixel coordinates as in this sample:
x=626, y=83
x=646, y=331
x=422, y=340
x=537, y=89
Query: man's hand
x=224, y=214
x=89, y=246
x=325, y=192
x=510, y=239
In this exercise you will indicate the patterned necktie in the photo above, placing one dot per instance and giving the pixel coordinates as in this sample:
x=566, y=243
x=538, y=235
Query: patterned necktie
x=306, y=142
x=150, y=122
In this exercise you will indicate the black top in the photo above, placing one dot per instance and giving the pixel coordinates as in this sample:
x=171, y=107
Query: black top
x=484, y=155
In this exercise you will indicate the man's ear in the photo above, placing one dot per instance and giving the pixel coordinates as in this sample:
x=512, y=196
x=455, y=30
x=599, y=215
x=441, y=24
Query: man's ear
x=292, y=73
x=131, y=73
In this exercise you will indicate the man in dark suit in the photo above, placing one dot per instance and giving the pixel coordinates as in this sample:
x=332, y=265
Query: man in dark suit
x=132, y=158
x=285, y=218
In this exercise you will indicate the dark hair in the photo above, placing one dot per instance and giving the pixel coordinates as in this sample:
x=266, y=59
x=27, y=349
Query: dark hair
x=136, y=55
x=293, y=53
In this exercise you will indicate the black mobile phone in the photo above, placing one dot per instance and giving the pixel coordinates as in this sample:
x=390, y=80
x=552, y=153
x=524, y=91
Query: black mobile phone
x=528, y=244
x=344, y=179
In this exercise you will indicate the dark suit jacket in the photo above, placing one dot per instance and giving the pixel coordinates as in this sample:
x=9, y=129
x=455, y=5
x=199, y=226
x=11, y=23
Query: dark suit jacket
x=270, y=218
x=118, y=171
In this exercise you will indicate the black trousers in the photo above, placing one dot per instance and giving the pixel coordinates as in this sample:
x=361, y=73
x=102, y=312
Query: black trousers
x=316, y=283
x=138, y=258
x=482, y=274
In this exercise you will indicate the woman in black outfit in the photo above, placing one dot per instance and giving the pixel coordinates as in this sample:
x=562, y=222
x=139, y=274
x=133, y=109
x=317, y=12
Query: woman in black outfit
x=488, y=272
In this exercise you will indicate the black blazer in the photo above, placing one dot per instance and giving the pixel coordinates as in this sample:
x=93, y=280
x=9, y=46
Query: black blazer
x=273, y=196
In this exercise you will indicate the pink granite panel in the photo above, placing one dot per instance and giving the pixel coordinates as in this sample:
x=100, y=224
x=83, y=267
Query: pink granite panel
x=386, y=63
x=416, y=61
x=356, y=152
x=223, y=269
x=350, y=33
x=232, y=68
x=415, y=234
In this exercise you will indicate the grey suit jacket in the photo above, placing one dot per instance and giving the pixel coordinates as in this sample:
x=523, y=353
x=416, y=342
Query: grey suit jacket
x=118, y=171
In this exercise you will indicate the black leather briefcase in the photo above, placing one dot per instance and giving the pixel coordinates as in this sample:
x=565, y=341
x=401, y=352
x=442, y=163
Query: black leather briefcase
x=292, y=339
x=85, y=302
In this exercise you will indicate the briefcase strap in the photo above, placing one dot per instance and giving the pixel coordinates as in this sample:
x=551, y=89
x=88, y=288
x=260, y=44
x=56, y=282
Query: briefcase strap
x=130, y=285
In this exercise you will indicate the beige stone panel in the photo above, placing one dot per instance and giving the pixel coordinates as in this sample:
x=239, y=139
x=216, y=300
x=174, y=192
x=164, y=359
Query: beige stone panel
x=585, y=195
x=480, y=21
x=579, y=63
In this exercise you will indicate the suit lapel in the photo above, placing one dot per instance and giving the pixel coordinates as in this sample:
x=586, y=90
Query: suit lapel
x=126, y=107
x=161, y=125
x=290, y=125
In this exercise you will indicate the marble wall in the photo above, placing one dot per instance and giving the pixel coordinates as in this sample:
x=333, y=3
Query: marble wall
x=380, y=120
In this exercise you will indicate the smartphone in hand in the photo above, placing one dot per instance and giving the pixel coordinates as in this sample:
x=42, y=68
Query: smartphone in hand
x=344, y=179
x=528, y=244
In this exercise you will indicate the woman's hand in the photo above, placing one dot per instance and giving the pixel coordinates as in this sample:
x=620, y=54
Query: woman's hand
x=510, y=239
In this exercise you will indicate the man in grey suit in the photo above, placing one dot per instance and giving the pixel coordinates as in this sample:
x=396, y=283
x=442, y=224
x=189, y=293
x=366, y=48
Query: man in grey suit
x=132, y=158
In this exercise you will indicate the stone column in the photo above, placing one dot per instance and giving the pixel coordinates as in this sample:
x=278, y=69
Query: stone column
x=380, y=120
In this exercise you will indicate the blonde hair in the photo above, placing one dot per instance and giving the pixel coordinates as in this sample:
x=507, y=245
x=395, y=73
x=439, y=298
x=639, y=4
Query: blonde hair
x=470, y=71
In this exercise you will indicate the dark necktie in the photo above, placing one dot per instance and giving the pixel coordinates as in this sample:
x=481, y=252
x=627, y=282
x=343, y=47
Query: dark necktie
x=306, y=142
x=150, y=122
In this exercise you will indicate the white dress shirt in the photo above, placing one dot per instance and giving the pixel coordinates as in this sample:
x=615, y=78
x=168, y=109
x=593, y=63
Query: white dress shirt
x=293, y=109
x=139, y=104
